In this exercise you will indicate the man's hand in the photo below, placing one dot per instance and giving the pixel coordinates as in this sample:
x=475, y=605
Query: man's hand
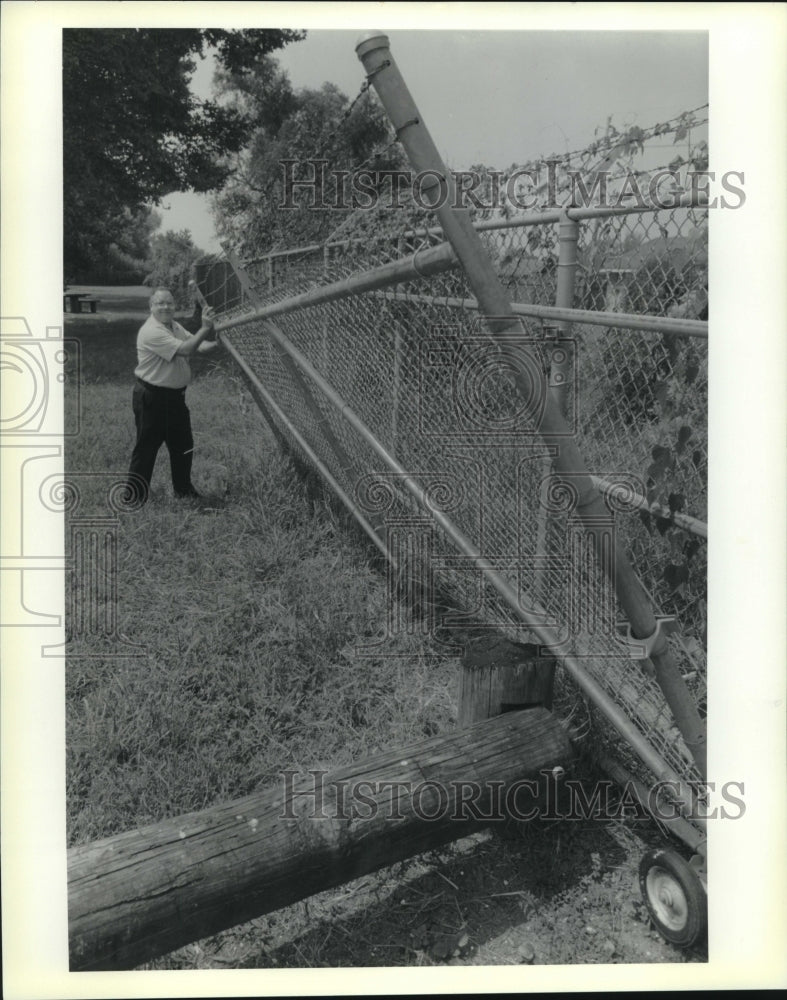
x=197, y=341
x=208, y=325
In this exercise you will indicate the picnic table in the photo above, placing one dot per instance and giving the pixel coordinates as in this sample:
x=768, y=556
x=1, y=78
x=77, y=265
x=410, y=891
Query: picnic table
x=75, y=301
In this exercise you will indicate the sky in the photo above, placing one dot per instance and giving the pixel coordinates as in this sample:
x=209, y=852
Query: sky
x=499, y=97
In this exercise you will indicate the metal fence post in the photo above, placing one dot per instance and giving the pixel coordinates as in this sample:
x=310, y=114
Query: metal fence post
x=562, y=370
x=397, y=369
x=374, y=52
x=561, y=379
x=326, y=260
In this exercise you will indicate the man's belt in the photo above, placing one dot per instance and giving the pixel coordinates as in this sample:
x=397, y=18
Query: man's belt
x=159, y=388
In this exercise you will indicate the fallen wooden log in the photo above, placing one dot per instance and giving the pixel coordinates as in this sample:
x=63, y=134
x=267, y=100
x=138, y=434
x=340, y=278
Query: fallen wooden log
x=141, y=894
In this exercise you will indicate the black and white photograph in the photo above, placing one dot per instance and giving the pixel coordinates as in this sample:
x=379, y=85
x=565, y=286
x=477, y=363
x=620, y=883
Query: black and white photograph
x=393, y=483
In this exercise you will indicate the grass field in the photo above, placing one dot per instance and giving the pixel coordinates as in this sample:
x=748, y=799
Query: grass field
x=247, y=618
x=247, y=614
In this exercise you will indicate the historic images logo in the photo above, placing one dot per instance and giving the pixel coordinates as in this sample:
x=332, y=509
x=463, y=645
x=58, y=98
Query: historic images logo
x=310, y=184
x=550, y=796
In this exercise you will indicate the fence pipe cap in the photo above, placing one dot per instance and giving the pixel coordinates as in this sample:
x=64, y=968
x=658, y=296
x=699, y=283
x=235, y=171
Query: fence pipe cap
x=371, y=40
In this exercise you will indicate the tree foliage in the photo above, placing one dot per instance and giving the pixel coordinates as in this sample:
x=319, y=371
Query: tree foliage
x=132, y=130
x=172, y=255
x=297, y=126
x=124, y=249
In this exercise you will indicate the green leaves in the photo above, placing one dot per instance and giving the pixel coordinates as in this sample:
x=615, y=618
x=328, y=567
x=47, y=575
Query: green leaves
x=132, y=130
x=699, y=157
x=172, y=257
x=684, y=435
x=634, y=140
x=302, y=126
x=692, y=368
x=676, y=576
x=663, y=461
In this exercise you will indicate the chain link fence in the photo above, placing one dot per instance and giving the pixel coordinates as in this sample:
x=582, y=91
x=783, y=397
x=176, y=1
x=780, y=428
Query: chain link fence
x=402, y=401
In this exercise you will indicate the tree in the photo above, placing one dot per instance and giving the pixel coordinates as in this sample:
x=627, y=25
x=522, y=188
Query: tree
x=172, y=255
x=295, y=128
x=132, y=130
x=122, y=248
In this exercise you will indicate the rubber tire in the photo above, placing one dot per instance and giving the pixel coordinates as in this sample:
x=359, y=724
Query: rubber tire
x=674, y=896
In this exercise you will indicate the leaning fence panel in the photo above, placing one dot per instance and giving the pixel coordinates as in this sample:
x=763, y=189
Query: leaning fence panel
x=414, y=374
x=385, y=377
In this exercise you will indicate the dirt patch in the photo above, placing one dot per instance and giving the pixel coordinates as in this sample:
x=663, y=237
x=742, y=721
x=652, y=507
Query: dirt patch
x=562, y=893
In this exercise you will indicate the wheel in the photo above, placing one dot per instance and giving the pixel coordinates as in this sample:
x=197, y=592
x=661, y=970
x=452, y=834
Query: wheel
x=674, y=896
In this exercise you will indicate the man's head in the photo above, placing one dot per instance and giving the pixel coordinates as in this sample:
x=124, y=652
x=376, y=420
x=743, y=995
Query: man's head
x=162, y=305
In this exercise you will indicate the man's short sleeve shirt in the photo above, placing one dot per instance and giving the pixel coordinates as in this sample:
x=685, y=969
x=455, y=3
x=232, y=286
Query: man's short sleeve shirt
x=157, y=360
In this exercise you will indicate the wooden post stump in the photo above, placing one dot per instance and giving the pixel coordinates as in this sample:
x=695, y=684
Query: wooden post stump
x=499, y=675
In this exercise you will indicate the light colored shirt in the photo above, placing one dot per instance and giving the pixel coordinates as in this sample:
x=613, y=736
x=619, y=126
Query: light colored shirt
x=157, y=360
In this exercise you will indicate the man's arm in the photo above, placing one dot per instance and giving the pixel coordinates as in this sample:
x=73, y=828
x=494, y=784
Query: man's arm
x=188, y=347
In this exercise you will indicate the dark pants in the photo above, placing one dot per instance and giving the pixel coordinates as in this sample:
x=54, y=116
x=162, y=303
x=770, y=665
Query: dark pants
x=162, y=417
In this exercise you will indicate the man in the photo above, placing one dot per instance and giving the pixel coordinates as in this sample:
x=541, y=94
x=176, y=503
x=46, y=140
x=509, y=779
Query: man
x=159, y=399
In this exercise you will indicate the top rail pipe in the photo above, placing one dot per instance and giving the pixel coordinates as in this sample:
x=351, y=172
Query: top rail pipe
x=697, y=328
x=374, y=52
x=422, y=264
x=574, y=213
x=442, y=258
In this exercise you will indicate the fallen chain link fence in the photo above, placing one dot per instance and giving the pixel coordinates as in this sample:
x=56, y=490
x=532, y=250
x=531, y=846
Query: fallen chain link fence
x=369, y=357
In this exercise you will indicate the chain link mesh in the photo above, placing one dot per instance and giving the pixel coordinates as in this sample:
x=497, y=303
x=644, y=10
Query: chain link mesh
x=417, y=368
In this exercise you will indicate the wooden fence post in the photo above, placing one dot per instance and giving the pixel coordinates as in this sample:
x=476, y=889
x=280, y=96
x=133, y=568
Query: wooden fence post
x=141, y=894
x=499, y=676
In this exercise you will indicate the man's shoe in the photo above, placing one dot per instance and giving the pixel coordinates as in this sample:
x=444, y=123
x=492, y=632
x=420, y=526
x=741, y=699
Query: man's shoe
x=190, y=495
